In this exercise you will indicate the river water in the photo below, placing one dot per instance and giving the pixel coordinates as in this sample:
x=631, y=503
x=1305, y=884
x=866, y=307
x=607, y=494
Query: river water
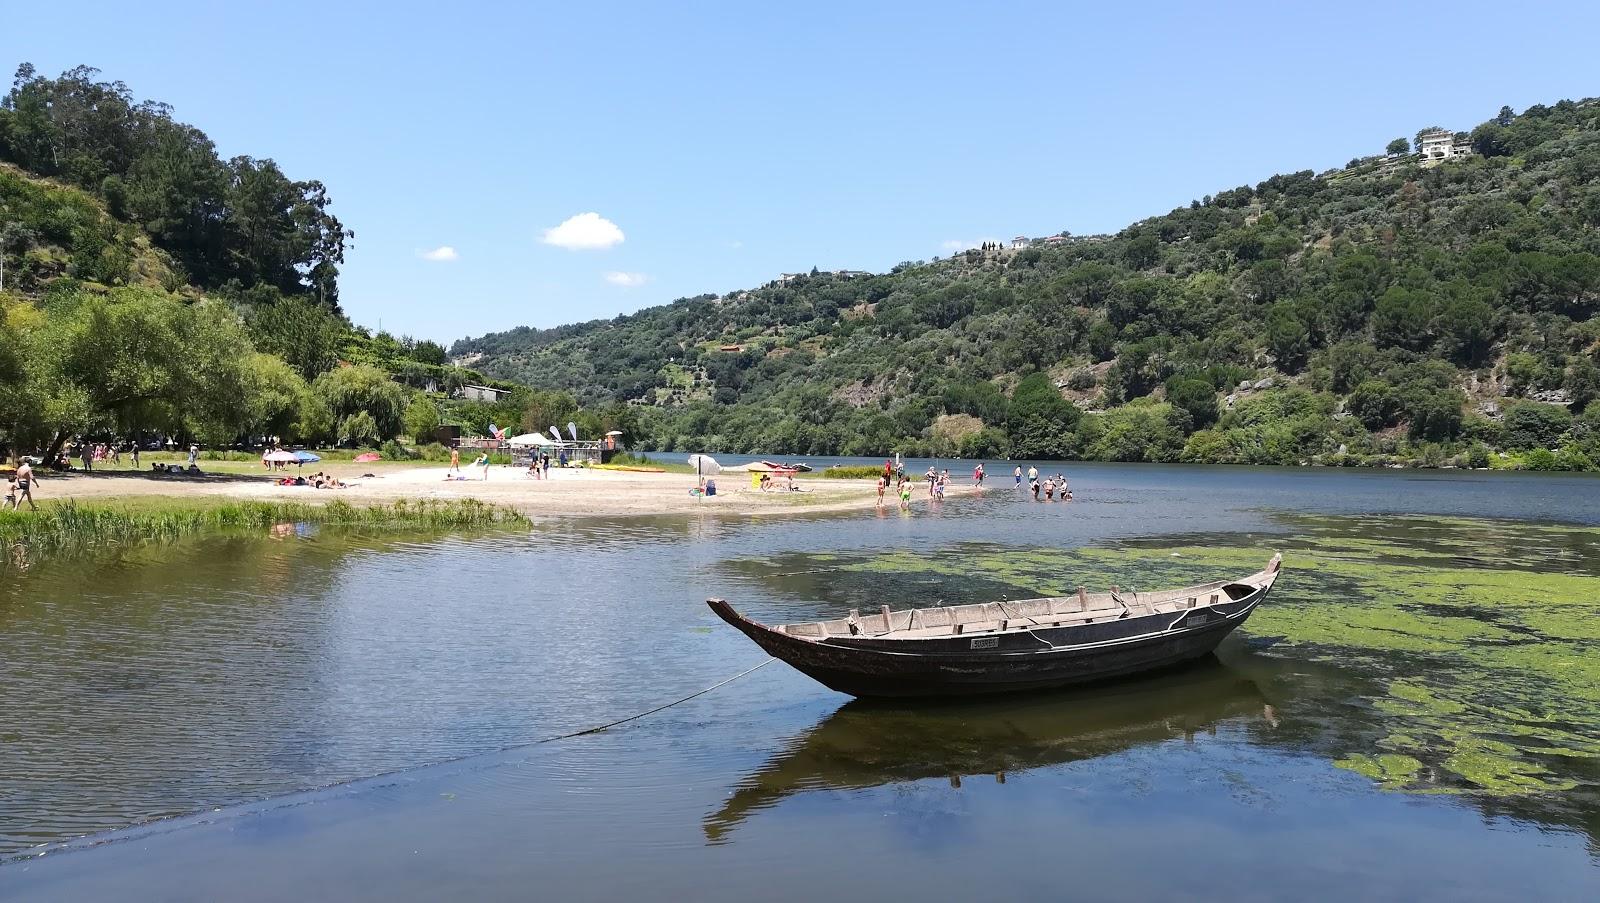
x=1414, y=713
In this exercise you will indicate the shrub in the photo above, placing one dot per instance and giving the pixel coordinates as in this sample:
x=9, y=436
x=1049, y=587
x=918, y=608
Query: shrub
x=394, y=451
x=1534, y=425
x=1375, y=403
x=1478, y=456
x=853, y=472
x=1196, y=396
x=1540, y=459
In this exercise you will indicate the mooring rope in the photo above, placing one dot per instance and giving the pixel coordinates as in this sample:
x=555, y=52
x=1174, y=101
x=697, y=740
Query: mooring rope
x=302, y=797
x=659, y=708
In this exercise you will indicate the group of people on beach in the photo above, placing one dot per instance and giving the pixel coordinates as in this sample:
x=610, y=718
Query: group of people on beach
x=317, y=480
x=894, y=475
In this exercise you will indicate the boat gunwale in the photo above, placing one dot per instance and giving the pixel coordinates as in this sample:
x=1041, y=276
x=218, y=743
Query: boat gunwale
x=1259, y=582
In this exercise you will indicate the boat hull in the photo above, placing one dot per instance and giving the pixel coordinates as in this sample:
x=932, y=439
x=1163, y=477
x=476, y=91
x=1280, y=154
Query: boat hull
x=1039, y=659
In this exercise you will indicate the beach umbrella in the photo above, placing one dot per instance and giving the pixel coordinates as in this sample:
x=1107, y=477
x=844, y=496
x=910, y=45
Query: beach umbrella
x=614, y=433
x=280, y=457
x=368, y=457
x=305, y=457
x=705, y=465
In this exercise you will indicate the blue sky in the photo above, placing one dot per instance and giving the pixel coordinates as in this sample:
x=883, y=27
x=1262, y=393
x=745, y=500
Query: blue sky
x=724, y=143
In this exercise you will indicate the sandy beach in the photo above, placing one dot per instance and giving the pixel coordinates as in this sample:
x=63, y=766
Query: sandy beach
x=567, y=493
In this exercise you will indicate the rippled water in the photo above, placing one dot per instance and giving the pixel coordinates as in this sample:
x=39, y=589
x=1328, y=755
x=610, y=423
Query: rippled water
x=221, y=671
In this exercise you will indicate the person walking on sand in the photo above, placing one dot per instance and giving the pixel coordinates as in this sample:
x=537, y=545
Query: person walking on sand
x=194, y=454
x=455, y=460
x=483, y=461
x=135, y=454
x=24, y=477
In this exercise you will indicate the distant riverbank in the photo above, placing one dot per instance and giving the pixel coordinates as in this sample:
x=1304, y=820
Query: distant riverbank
x=388, y=488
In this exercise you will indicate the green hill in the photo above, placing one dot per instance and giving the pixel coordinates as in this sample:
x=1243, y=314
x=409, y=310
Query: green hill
x=149, y=288
x=1390, y=311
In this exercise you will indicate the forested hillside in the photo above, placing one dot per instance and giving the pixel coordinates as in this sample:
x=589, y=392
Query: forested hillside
x=150, y=289
x=1386, y=312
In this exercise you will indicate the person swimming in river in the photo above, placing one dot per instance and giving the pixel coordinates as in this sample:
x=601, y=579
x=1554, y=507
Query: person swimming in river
x=1034, y=486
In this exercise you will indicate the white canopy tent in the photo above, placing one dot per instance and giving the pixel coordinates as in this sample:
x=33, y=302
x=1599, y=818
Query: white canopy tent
x=527, y=439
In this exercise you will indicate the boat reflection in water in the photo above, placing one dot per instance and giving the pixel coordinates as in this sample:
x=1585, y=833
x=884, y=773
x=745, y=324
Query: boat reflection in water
x=869, y=743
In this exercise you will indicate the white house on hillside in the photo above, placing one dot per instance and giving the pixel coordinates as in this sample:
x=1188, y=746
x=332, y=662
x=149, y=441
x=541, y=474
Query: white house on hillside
x=1438, y=145
x=481, y=393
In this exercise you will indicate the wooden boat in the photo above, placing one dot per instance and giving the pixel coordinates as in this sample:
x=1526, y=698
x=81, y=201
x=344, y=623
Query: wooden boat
x=999, y=647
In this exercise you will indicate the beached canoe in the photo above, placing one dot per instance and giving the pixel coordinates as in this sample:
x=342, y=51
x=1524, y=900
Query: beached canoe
x=1000, y=647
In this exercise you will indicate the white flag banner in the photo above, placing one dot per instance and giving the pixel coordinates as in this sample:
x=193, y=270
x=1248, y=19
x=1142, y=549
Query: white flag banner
x=573, y=429
x=557, y=434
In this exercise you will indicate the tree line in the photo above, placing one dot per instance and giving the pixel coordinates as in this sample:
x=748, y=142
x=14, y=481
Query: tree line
x=149, y=289
x=224, y=224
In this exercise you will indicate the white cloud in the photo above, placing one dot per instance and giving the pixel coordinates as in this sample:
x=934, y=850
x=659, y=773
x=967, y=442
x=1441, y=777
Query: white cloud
x=736, y=244
x=443, y=253
x=584, y=232
x=626, y=280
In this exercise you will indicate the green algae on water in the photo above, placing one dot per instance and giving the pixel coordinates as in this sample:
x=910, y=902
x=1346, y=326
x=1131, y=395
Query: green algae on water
x=1479, y=639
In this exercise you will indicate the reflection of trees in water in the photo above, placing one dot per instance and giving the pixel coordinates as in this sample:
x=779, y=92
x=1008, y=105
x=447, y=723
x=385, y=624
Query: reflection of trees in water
x=867, y=744
x=161, y=665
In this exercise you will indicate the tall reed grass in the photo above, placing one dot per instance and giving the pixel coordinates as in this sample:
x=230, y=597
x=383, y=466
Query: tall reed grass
x=852, y=472
x=70, y=526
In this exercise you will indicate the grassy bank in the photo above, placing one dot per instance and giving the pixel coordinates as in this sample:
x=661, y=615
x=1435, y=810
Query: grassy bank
x=71, y=526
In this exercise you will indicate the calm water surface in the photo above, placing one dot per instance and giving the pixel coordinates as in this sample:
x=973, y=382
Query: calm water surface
x=223, y=681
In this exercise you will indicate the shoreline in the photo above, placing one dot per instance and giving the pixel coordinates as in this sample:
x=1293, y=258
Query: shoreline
x=575, y=492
